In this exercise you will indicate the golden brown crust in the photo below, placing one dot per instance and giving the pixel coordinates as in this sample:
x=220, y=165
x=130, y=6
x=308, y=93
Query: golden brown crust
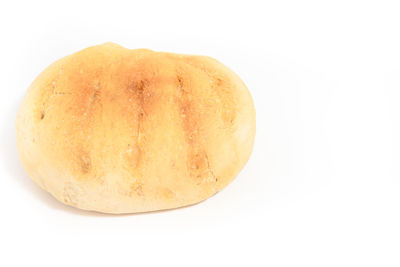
x=120, y=131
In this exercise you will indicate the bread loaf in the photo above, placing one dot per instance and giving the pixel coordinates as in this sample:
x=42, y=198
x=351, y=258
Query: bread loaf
x=117, y=130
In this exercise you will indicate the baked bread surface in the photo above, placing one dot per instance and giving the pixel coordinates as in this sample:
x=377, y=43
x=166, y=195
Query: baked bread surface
x=117, y=130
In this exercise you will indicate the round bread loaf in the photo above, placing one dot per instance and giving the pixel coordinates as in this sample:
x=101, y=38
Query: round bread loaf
x=116, y=130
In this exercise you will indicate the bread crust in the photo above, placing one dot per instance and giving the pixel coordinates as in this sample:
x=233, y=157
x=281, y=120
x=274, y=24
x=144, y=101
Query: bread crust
x=116, y=130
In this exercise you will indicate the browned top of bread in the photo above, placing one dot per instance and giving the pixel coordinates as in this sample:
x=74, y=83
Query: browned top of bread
x=119, y=130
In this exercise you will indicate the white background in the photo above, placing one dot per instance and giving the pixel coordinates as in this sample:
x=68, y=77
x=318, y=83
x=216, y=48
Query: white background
x=322, y=187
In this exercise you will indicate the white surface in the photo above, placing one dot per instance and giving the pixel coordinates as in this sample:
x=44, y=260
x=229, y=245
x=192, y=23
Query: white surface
x=322, y=187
